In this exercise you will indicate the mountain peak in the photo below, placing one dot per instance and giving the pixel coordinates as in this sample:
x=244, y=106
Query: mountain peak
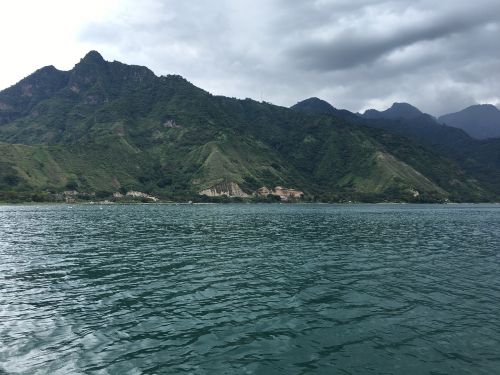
x=406, y=106
x=93, y=56
x=480, y=121
x=316, y=100
x=482, y=108
x=314, y=106
x=396, y=111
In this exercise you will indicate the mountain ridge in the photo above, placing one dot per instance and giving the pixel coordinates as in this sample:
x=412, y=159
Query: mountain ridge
x=480, y=158
x=480, y=121
x=104, y=127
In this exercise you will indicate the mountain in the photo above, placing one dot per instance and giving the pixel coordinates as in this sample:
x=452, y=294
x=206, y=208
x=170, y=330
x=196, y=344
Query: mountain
x=480, y=159
x=314, y=106
x=318, y=106
x=479, y=121
x=107, y=127
x=397, y=111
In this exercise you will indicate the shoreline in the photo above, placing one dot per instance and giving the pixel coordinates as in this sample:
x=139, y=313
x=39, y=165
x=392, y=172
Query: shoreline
x=236, y=203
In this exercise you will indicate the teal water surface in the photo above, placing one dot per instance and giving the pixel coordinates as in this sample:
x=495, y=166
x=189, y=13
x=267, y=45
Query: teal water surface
x=250, y=289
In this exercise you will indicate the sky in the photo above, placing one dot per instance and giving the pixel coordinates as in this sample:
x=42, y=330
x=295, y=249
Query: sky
x=440, y=56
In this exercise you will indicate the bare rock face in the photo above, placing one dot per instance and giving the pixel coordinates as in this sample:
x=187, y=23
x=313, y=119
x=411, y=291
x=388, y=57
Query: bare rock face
x=264, y=191
x=282, y=192
x=172, y=124
x=287, y=192
x=229, y=189
x=139, y=194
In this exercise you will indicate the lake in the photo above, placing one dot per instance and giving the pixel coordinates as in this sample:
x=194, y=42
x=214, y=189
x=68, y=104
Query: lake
x=250, y=289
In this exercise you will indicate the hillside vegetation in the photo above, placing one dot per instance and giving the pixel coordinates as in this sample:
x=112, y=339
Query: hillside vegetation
x=106, y=127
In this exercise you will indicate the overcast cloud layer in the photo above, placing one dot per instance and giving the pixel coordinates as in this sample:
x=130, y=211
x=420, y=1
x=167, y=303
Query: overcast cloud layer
x=438, y=55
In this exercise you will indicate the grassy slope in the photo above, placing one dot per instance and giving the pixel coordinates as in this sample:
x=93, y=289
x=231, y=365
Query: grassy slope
x=43, y=167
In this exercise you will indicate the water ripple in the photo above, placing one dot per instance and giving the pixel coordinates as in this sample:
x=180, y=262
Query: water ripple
x=250, y=289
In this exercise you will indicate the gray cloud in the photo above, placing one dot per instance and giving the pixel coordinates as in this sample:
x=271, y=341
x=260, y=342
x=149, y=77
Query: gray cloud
x=440, y=56
x=352, y=46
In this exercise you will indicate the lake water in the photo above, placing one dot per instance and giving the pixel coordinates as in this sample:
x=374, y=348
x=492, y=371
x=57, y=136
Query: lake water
x=250, y=289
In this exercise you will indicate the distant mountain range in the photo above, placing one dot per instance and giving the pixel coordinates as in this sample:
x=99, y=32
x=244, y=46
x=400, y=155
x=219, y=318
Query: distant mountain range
x=480, y=158
x=105, y=129
x=479, y=121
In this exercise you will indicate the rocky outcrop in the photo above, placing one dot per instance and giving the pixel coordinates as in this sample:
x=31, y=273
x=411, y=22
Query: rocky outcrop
x=139, y=194
x=172, y=124
x=135, y=194
x=264, y=191
x=282, y=192
x=228, y=189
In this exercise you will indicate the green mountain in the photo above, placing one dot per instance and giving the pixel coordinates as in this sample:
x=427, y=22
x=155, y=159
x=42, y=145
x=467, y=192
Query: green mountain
x=478, y=158
x=107, y=127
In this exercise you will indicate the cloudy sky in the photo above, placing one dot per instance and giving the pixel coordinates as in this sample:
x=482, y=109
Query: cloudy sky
x=438, y=55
